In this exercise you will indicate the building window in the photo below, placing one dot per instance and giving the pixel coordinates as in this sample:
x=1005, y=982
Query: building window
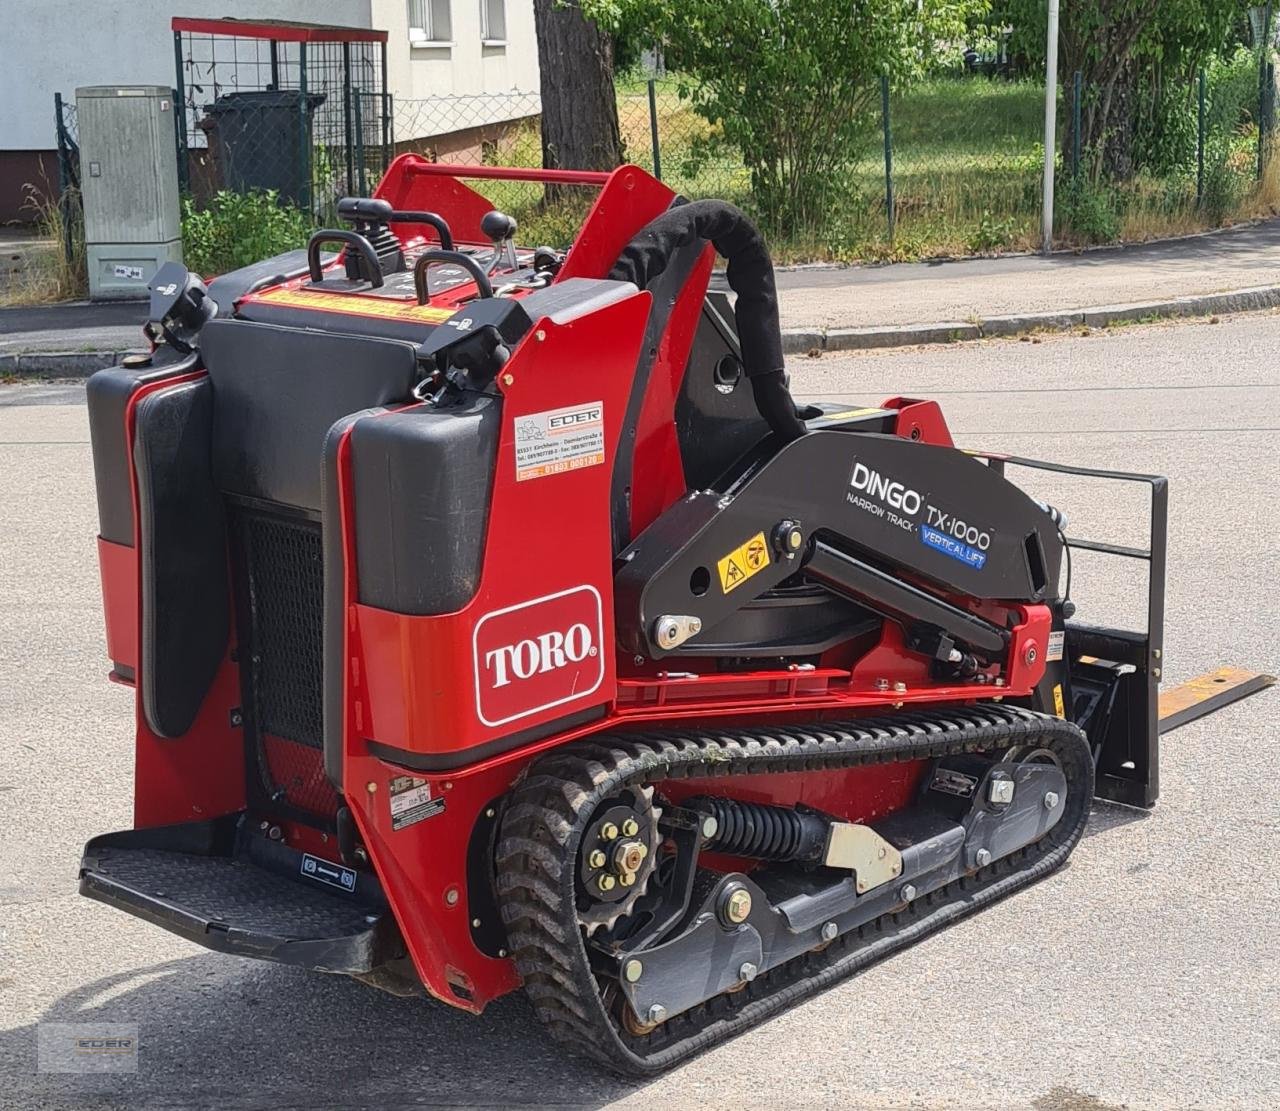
x=493, y=21
x=429, y=21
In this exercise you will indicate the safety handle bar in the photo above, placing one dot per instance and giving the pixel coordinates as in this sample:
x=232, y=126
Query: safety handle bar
x=351, y=239
x=434, y=219
x=428, y=259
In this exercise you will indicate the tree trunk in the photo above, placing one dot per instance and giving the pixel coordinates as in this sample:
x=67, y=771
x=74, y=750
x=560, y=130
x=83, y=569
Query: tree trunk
x=1117, y=135
x=579, y=104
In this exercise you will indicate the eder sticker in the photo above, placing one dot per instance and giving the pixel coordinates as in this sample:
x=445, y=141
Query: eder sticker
x=559, y=440
x=1055, y=646
x=743, y=562
x=1058, y=707
x=411, y=801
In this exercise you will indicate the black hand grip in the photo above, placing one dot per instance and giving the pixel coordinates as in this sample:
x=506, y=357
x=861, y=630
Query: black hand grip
x=436, y=221
x=370, y=209
x=352, y=239
x=430, y=258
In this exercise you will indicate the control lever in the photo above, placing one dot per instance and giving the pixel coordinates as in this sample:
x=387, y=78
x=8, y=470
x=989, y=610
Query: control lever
x=501, y=231
x=180, y=306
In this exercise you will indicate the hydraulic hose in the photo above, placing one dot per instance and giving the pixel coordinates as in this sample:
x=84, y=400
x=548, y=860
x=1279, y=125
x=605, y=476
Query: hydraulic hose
x=750, y=276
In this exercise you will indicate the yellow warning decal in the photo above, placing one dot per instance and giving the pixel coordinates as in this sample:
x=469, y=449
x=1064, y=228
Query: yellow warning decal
x=743, y=562
x=1058, y=707
x=354, y=305
x=848, y=414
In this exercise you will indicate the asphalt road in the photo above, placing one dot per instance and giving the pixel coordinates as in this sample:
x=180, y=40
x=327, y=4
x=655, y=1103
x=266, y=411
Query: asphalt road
x=1145, y=974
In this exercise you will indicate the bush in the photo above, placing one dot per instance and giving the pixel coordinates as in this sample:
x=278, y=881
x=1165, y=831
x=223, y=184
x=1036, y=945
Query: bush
x=235, y=229
x=1086, y=211
x=1165, y=142
x=992, y=234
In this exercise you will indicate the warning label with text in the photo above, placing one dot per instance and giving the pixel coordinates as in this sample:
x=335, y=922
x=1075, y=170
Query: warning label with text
x=559, y=440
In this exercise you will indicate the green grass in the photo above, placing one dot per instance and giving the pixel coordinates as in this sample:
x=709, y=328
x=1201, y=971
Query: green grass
x=968, y=160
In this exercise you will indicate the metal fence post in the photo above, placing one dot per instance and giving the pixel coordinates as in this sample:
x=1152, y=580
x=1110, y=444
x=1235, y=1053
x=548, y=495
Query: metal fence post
x=180, y=111
x=364, y=189
x=1050, y=125
x=1200, y=140
x=349, y=150
x=304, y=131
x=653, y=129
x=1263, y=98
x=888, y=153
x=1075, y=125
x=388, y=138
x=64, y=176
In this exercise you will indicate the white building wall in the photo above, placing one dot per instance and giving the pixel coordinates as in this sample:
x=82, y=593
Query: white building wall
x=443, y=73
x=49, y=46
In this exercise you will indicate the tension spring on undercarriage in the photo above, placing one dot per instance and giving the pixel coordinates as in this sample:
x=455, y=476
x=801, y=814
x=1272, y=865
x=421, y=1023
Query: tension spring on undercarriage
x=761, y=832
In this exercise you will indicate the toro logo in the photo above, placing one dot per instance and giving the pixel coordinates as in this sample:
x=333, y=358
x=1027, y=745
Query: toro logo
x=538, y=654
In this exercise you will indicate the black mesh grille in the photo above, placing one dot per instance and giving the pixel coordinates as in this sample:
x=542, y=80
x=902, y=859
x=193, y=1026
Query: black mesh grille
x=286, y=607
x=284, y=574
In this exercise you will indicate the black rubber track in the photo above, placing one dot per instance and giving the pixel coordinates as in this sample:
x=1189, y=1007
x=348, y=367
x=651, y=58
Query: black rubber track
x=549, y=811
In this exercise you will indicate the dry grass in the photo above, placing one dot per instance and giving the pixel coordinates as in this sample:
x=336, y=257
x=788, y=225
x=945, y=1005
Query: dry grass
x=50, y=275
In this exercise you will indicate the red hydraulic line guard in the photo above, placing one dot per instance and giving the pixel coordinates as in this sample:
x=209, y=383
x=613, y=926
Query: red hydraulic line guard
x=511, y=173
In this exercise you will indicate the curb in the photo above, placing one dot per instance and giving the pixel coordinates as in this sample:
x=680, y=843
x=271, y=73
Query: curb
x=59, y=364
x=800, y=341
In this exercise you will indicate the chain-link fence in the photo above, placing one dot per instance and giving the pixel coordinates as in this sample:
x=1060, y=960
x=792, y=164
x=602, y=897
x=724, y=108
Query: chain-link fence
x=299, y=111
x=69, y=203
x=948, y=165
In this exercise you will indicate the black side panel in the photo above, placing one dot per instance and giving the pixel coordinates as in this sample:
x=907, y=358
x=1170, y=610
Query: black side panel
x=108, y=392
x=278, y=391
x=334, y=599
x=422, y=480
x=183, y=556
x=717, y=420
x=665, y=288
x=227, y=289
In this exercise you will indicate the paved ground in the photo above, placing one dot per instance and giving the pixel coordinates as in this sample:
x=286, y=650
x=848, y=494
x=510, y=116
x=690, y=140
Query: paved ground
x=1145, y=974
x=928, y=292
x=110, y=326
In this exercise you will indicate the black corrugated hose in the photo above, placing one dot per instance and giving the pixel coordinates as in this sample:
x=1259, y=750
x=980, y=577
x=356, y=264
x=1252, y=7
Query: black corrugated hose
x=750, y=276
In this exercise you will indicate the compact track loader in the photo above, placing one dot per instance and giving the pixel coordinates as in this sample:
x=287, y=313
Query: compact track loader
x=496, y=618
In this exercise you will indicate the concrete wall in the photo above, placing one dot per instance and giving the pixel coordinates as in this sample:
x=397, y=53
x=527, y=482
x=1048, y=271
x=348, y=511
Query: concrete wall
x=18, y=169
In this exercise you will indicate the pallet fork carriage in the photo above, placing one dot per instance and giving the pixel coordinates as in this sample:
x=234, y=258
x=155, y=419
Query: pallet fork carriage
x=496, y=619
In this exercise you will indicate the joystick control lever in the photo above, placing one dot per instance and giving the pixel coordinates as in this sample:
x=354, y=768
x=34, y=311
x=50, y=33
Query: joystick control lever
x=501, y=231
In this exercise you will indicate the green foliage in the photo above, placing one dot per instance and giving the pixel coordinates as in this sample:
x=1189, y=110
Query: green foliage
x=1176, y=34
x=235, y=229
x=1224, y=185
x=1166, y=141
x=1086, y=211
x=792, y=84
x=993, y=233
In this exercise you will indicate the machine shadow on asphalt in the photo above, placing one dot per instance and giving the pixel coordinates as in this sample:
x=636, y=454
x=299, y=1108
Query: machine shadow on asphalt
x=210, y=1026
x=1106, y=816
